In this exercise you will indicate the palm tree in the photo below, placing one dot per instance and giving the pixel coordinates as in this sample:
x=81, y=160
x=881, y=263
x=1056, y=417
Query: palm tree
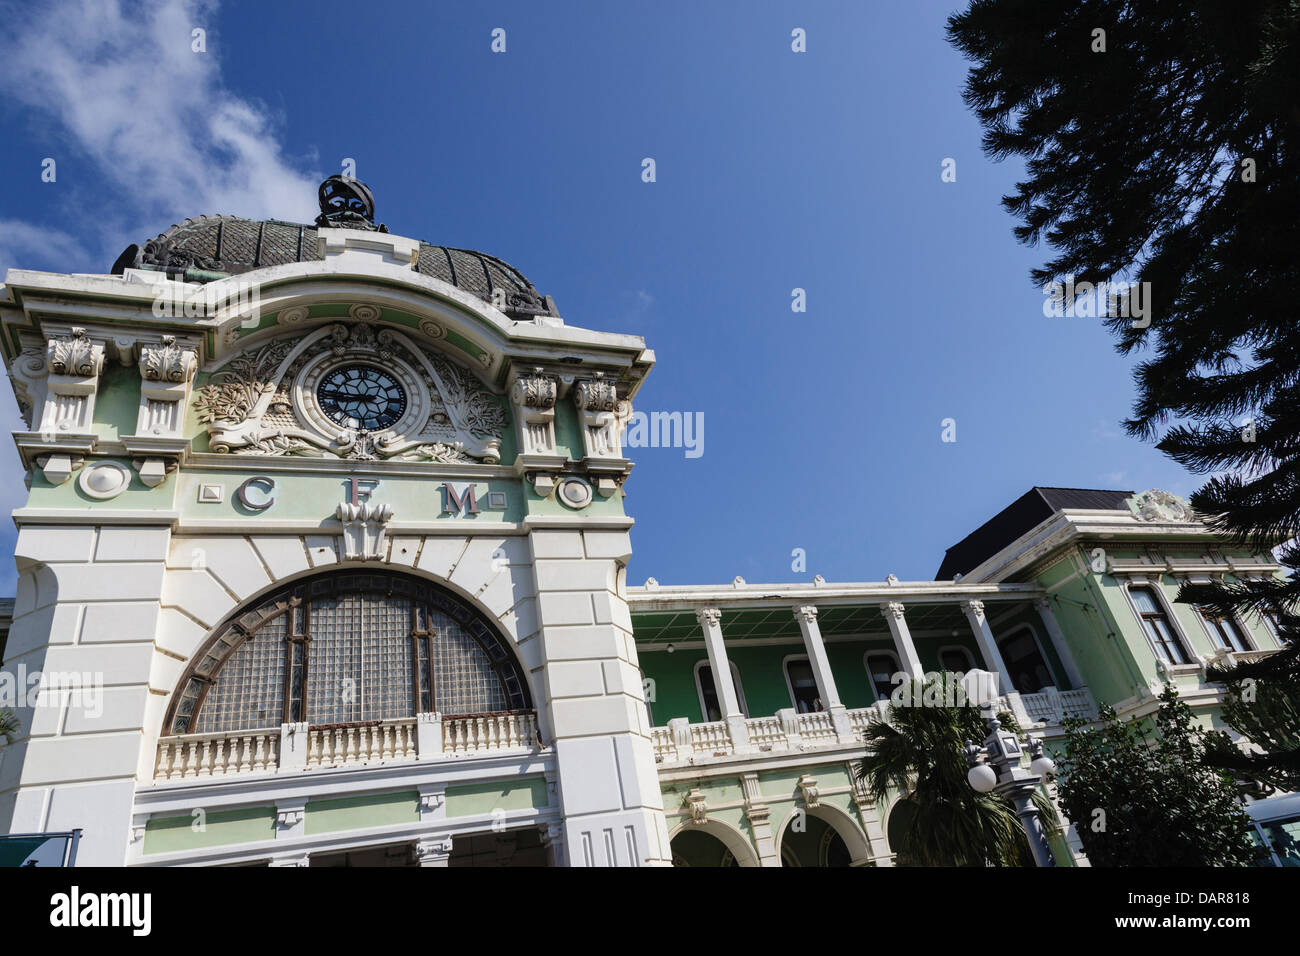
x=918, y=750
x=8, y=726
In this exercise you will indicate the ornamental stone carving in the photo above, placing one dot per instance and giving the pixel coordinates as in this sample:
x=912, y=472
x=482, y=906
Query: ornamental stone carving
x=364, y=527
x=1157, y=505
x=168, y=362
x=264, y=400
x=602, y=417
x=75, y=355
x=808, y=788
x=699, y=806
x=534, y=391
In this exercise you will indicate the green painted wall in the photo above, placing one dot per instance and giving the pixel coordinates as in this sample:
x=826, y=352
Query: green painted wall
x=674, y=684
x=355, y=813
x=483, y=798
x=117, y=403
x=175, y=834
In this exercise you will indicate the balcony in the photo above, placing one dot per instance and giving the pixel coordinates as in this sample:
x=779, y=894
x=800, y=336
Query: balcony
x=282, y=749
x=682, y=743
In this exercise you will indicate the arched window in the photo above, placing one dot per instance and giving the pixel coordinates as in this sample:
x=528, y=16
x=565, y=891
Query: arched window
x=346, y=648
x=881, y=668
x=956, y=659
x=710, y=705
x=1024, y=660
x=802, y=683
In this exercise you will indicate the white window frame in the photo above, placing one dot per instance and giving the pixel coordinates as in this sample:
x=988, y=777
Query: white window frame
x=1157, y=592
x=789, y=685
x=898, y=667
x=1212, y=633
x=1042, y=651
x=735, y=682
x=970, y=658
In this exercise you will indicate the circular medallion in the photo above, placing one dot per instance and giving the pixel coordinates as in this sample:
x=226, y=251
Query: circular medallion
x=361, y=396
x=574, y=493
x=105, y=479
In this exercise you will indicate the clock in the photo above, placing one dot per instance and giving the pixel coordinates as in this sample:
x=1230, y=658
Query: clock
x=362, y=397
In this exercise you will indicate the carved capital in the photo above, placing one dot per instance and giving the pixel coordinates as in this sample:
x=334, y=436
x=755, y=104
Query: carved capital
x=806, y=613
x=75, y=355
x=709, y=617
x=535, y=391
x=894, y=609
x=975, y=607
x=436, y=848
x=808, y=787
x=168, y=362
x=595, y=395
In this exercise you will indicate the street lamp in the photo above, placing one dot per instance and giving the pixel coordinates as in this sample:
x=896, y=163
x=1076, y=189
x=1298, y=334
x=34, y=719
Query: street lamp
x=1000, y=772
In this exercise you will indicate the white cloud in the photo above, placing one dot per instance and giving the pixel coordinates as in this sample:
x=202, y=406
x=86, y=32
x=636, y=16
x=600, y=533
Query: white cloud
x=124, y=88
x=119, y=85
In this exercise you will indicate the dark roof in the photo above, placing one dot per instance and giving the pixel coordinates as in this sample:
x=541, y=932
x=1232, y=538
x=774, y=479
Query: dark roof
x=1029, y=510
x=211, y=247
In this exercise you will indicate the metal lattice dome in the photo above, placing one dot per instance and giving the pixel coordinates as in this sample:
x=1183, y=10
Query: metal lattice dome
x=207, y=248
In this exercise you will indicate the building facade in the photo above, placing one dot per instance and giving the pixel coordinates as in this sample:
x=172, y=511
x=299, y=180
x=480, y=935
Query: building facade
x=323, y=563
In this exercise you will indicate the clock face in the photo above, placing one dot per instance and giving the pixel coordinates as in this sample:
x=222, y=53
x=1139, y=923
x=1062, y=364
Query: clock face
x=361, y=396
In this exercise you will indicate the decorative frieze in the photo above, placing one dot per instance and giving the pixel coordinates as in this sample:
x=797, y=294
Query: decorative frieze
x=266, y=400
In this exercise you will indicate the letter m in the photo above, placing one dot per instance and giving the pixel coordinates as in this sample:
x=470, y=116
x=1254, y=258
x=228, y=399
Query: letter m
x=453, y=503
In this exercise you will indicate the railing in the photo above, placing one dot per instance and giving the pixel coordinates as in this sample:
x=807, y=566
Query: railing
x=462, y=735
x=661, y=739
x=767, y=734
x=682, y=742
x=217, y=755
x=711, y=738
x=816, y=728
x=351, y=744
x=272, y=750
x=1079, y=703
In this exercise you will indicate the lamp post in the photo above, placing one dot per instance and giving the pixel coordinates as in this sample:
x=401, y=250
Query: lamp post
x=1001, y=772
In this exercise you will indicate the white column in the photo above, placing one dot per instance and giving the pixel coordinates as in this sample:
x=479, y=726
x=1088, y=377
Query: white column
x=974, y=611
x=434, y=852
x=1057, y=638
x=710, y=619
x=894, y=617
x=806, y=615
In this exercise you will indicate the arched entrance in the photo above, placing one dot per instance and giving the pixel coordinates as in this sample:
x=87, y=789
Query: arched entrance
x=711, y=844
x=900, y=819
x=822, y=836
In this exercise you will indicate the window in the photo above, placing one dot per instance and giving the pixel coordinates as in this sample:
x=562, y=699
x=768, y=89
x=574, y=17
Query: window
x=1158, y=629
x=803, y=685
x=1225, y=633
x=347, y=648
x=956, y=659
x=881, y=668
x=710, y=704
x=1025, y=662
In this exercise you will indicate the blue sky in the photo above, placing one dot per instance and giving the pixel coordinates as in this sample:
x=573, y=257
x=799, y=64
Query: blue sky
x=775, y=170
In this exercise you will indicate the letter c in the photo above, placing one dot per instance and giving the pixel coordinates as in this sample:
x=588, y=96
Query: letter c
x=266, y=484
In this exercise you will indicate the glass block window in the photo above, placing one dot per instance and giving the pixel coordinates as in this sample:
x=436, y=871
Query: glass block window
x=348, y=648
